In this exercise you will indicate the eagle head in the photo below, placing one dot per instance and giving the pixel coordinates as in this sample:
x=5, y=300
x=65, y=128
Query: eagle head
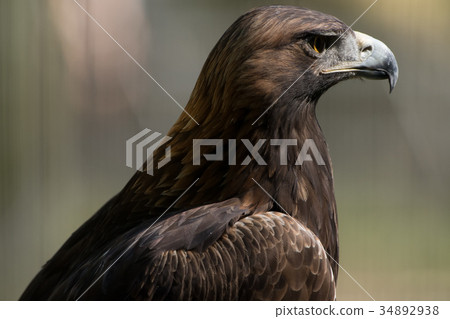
x=282, y=54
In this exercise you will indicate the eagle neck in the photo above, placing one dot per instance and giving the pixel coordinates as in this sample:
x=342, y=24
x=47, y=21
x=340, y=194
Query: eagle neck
x=304, y=191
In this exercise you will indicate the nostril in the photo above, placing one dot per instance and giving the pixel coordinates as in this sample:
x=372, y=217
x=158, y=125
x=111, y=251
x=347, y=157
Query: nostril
x=366, y=51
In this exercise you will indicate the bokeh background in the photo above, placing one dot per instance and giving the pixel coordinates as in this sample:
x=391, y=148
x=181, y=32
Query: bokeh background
x=70, y=98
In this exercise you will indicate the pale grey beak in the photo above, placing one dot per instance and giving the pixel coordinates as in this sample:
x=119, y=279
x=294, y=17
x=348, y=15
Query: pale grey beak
x=376, y=61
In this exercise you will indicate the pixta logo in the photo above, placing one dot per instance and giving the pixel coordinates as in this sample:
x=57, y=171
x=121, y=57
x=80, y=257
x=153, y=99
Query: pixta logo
x=146, y=143
x=308, y=147
x=141, y=147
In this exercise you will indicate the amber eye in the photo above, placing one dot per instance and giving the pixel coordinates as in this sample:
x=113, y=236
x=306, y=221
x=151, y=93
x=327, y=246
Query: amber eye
x=319, y=44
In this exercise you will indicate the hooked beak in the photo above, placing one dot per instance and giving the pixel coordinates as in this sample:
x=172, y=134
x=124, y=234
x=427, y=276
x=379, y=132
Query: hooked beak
x=375, y=61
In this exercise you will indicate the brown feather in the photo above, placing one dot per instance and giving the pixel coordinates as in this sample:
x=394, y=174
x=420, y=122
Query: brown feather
x=225, y=239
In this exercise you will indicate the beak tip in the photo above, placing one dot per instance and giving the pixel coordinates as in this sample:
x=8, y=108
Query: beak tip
x=393, y=77
x=392, y=83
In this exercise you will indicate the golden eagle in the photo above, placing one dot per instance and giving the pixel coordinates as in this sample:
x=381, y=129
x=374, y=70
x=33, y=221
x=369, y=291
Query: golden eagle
x=266, y=230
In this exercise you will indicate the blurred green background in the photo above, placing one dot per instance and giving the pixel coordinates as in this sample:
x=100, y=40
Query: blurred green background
x=70, y=97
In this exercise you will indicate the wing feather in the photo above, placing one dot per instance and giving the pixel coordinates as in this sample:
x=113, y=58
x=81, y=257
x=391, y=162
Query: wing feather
x=214, y=252
x=265, y=256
